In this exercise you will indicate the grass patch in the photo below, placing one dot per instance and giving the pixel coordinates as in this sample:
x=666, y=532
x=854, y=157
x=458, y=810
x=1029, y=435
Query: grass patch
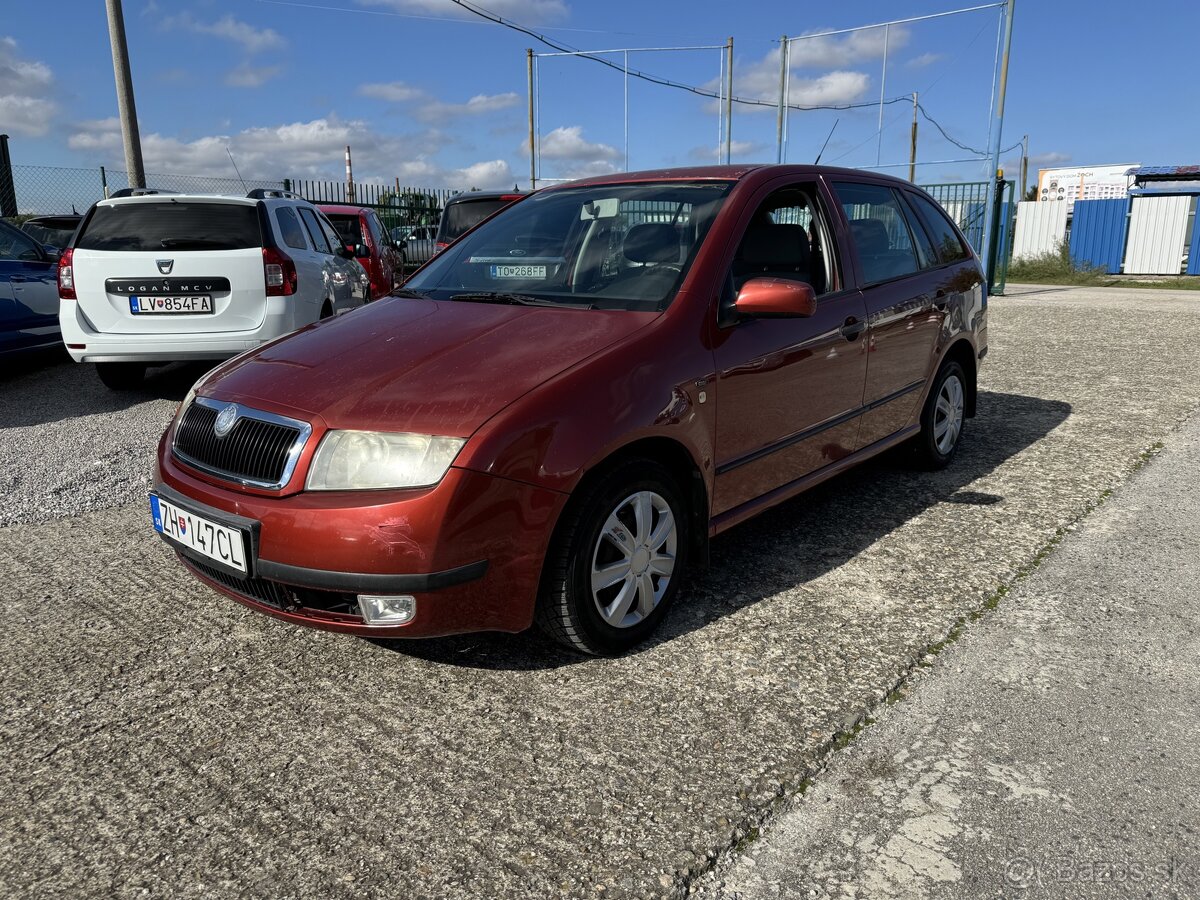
x=1057, y=267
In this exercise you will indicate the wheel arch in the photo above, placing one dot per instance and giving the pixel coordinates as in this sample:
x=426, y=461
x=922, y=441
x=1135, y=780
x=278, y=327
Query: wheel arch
x=677, y=459
x=963, y=353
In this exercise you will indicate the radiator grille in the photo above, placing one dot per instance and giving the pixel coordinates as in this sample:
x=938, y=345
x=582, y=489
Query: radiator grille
x=261, y=448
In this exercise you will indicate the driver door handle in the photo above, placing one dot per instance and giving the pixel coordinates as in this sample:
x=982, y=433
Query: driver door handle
x=852, y=328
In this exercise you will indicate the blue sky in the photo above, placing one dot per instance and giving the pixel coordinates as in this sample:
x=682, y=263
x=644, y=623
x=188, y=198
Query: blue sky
x=429, y=94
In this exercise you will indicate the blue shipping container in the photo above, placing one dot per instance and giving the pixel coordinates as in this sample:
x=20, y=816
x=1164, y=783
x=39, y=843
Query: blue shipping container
x=1098, y=233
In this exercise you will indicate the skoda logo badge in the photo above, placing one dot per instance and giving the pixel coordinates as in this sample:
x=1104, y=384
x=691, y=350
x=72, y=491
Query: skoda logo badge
x=225, y=421
x=165, y=265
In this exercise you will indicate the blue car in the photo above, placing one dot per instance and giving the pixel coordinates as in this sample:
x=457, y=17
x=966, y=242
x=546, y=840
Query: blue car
x=28, y=293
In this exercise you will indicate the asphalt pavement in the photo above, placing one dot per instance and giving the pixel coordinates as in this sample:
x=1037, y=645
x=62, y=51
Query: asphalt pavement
x=162, y=740
x=1050, y=752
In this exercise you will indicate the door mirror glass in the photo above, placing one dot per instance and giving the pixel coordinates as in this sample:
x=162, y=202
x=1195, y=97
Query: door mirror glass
x=52, y=253
x=775, y=298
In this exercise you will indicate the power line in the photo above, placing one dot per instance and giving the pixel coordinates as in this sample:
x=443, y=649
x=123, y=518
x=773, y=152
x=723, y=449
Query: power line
x=646, y=76
x=934, y=122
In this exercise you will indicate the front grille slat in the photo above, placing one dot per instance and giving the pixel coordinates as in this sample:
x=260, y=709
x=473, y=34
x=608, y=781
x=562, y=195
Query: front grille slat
x=256, y=450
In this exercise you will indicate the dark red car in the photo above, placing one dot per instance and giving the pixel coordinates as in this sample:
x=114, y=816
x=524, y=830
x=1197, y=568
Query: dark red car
x=556, y=415
x=362, y=232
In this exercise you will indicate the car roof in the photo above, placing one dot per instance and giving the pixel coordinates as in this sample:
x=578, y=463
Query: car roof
x=69, y=218
x=471, y=196
x=168, y=198
x=738, y=172
x=340, y=209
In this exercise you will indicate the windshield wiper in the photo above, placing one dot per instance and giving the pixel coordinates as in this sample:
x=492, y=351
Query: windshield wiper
x=198, y=243
x=408, y=294
x=516, y=300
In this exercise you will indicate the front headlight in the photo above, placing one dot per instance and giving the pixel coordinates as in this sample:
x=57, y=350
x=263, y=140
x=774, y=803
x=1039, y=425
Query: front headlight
x=187, y=400
x=362, y=460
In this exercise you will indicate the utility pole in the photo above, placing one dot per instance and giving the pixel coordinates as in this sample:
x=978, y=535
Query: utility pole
x=912, y=149
x=125, y=104
x=989, y=235
x=1024, y=164
x=532, y=158
x=779, y=113
x=729, y=100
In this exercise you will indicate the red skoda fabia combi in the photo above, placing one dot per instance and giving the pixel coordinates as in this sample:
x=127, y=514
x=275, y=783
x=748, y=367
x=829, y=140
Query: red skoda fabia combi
x=555, y=416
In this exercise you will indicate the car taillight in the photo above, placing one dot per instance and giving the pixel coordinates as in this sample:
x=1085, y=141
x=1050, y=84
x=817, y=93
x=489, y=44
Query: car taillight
x=279, y=272
x=66, y=275
x=440, y=246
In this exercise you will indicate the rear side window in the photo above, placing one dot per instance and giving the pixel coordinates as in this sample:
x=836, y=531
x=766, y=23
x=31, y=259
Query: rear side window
x=172, y=225
x=314, y=230
x=878, y=229
x=949, y=246
x=926, y=255
x=376, y=229
x=349, y=228
x=289, y=227
x=460, y=218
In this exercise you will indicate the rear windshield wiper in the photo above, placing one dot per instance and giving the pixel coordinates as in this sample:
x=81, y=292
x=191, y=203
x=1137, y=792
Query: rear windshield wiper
x=516, y=300
x=198, y=243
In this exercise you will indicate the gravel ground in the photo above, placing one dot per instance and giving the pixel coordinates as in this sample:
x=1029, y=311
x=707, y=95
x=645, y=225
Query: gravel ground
x=162, y=739
x=1049, y=753
x=70, y=445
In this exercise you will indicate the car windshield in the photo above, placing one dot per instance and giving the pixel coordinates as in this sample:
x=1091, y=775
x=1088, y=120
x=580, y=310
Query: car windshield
x=623, y=246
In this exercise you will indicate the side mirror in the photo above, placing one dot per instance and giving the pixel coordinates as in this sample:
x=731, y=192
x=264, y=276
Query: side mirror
x=361, y=251
x=775, y=298
x=52, y=253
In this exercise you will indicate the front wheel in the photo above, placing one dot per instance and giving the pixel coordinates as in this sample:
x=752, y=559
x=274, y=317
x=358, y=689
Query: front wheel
x=121, y=376
x=616, y=561
x=942, y=418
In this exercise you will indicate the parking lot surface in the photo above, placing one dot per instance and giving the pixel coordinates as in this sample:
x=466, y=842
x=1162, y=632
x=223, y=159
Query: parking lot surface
x=160, y=738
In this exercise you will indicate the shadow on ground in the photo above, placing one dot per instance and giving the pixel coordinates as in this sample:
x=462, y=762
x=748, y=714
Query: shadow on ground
x=799, y=540
x=27, y=385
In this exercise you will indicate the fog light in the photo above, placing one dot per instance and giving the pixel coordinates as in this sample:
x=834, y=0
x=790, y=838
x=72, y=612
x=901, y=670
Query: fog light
x=379, y=609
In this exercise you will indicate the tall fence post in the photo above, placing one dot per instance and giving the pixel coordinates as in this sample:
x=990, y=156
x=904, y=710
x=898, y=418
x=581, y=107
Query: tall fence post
x=8, y=188
x=103, y=184
x=994, y=231
x=287, y=185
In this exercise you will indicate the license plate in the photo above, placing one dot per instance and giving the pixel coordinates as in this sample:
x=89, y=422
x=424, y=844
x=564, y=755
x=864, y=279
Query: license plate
x=174, y=305
x=216, y=541
x=518, y=271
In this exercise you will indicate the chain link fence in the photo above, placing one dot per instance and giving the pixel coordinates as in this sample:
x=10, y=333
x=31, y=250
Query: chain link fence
x=54, y=190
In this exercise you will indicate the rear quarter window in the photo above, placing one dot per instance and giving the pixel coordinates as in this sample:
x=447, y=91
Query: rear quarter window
x=172, y=225
x=949, y=246
x=289, y=227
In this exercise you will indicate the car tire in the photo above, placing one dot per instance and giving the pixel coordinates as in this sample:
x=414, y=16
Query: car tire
x=121, y=376
x=639, y=502
x=942, y=418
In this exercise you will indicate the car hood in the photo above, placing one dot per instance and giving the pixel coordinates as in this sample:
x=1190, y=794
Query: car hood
x=426, y=366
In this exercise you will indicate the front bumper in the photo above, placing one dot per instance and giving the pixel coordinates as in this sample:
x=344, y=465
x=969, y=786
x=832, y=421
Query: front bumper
x=469, y=550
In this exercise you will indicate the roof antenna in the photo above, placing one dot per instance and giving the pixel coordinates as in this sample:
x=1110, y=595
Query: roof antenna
x=243, y=180
x=826, y=144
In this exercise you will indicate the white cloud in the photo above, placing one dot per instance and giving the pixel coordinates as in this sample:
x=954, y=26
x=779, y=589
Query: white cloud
x=480, y=104
x=738, y=150
x=228, y=28
x=925, y=59
x=523, y=11
x=391, y=91
x=568, y=143
x=312, y=149
x=298, y=149
x=26, y=86
x=246, y=76
x=832, y=89
x=837, y=51
x=760, y=80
